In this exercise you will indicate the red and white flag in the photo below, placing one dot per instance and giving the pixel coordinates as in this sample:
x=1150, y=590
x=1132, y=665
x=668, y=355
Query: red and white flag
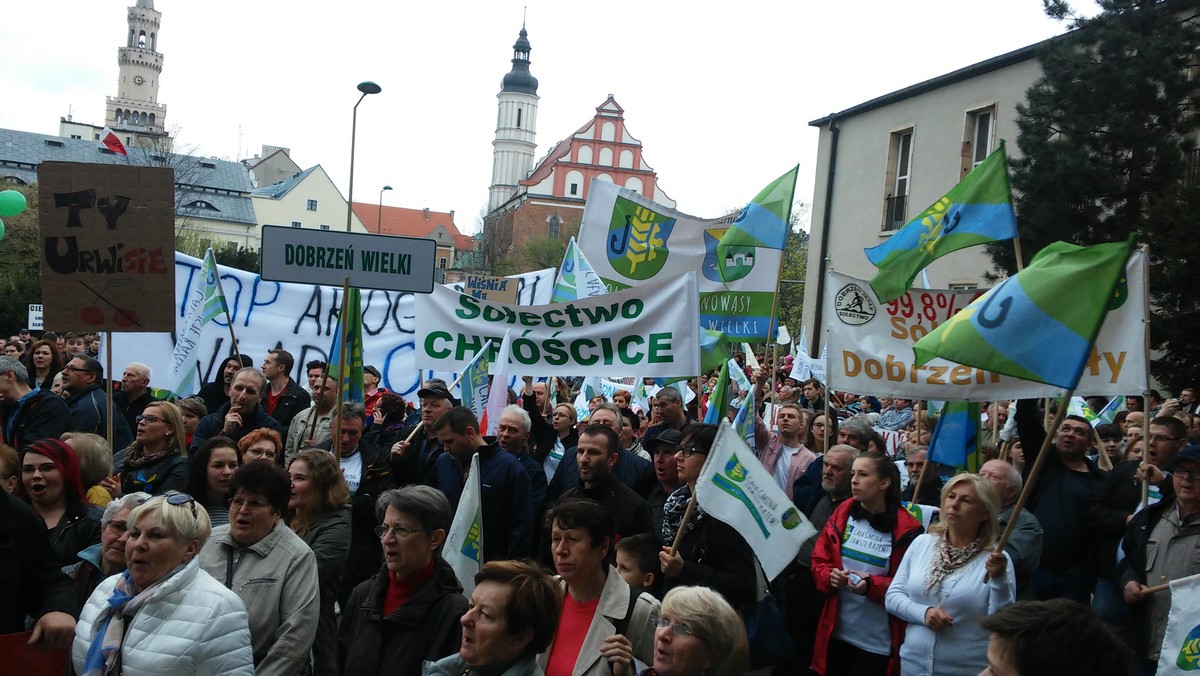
x=498, y=393
x=110, y=140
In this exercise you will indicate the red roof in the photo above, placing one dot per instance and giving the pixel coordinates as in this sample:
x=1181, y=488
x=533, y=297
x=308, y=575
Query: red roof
x=404, y=222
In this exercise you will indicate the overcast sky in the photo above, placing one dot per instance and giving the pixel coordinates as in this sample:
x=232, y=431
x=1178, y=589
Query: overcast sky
x=719, y=94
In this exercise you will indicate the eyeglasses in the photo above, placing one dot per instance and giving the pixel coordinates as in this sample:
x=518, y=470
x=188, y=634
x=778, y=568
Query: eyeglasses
x=71, y=369
x=1161, y=437
x=44, y=468
x=689, y=451
x=1189, y=474
x=398, y=531
x=148, y=418
x=678, y=629
x=253, y=504
x=181, y=499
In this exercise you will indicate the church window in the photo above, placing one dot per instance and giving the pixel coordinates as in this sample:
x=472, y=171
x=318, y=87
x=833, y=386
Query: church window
x=606, y=157
x=142, y=39
x=634, y=183
x=626, y=159
x=608, y=132
x=574, y=183
x=442, y=262
x=312, y=205
x=131, y=37
x=554, y=226
x=151, y=119
x=573, y=189
x=152, y=40
x=518, y=118
x=585, y=155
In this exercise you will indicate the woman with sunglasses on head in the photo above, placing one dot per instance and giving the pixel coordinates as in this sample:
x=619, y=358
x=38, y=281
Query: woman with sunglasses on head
x=269, y=567
x=319, y=512
x=697, y=633
x=410, y=611
x=711, y=553
x=156, y=461
x=854, y=559
x=211, y=468
x=51, y=484
x=164, y=615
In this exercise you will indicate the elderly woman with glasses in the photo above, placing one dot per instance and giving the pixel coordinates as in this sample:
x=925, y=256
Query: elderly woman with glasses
x=698, y=633
x=513, y=615
x=107, y=557
x=710, y=552
x=269, y=567
x=156, y=461
x=164, y=615
x=409, y=612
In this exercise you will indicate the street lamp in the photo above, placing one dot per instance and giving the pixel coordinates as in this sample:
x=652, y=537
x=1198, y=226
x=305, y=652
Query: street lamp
x=379, y=224
x=367, y=87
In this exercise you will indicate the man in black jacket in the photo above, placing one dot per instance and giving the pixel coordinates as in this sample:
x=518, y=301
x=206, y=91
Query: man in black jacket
x=242, y=415
x=32, y=584
x=412, y=461
x=284, y=398
x=89, y=406
x=28, y=415
x=596, y=455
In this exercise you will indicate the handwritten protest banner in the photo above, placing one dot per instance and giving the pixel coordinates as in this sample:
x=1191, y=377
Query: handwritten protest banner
x=870, y=345
x=648, y=331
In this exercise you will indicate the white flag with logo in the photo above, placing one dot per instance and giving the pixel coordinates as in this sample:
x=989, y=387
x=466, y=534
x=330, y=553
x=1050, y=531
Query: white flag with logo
x=735, y=488
x=1181, y=643
x=464, y=543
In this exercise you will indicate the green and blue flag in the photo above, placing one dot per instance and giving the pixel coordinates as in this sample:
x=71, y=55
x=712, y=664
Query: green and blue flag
x=761, y=223
x=955, y=439
x=576, y=277
x=349, y=374
x=976, y=211
x=1040, y=324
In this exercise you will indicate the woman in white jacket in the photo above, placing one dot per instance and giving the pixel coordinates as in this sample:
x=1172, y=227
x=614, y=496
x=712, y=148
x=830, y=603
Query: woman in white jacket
x=939, y=588
x=163, y=615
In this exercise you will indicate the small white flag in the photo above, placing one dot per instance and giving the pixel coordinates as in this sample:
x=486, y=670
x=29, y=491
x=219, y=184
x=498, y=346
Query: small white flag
x=735, y=488
x=1181, y=642
x=464, y=543
x=498, y=394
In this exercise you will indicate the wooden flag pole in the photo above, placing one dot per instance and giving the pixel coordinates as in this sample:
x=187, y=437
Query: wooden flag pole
x=825, y=434
x=1017, y=252
x=1031, y=480
x=916, y=498
x=417, y=427
x=108, y=404
x=1146, y=352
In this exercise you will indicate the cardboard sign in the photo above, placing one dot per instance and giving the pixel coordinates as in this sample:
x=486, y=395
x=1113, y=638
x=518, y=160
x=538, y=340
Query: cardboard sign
x=328, y=257
x=35, y=322
x=108, y=246
x=498, y=289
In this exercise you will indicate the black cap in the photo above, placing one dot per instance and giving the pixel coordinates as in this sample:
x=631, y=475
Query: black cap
x=1190, y=453
x=23, y=331
x=437, y=391
x=666, y=437
x=372, y=370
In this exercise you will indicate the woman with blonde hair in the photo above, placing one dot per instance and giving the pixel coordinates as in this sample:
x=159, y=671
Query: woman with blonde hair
x=939, y=588
x=319, y=513
x=156, y=461
x=95, y=464
x=697, y=632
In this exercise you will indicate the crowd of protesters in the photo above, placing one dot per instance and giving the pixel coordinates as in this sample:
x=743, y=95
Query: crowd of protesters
x=262, y=526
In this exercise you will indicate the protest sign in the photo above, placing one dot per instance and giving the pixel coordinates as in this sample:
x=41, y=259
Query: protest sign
x=631, y=241
x=328, y=257
x=301, y=319
x=871, y=345
x=108, y=244
x=648, y=331
x=499, y=289
x=35, y=322
x=734, y=488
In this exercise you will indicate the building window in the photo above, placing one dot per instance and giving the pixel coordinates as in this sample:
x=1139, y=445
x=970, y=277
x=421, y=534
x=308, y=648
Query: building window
x=324, y=226
x=518, y=126
x=573, y=189
x=963, y=286
x=295, y=224
x=312, y=205
x=977, y=137
x=553, y=226
x=442, y=262
x=77, y=136
x=898, y=175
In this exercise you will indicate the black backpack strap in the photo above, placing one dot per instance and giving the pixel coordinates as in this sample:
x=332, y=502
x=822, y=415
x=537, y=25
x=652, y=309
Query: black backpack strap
x=622, y=625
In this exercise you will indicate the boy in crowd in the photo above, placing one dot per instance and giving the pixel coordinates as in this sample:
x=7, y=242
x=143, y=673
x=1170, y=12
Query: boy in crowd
x=637, y=562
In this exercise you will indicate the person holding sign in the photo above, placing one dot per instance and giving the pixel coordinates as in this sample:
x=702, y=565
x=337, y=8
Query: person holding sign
x=937, y=588
x=853, y=562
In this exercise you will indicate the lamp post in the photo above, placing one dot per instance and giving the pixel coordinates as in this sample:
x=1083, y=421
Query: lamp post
x=379, y=224
x=367, y=87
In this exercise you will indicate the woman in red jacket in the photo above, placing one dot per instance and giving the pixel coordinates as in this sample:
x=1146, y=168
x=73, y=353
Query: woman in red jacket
x=853, y=562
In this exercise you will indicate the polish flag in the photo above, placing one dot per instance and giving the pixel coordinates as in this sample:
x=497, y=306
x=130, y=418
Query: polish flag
x=110, y=140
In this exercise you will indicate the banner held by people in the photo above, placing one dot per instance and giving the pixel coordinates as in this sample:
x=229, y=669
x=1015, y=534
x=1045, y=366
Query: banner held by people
x=464, y=542
x=650, y=331
x=734, y=488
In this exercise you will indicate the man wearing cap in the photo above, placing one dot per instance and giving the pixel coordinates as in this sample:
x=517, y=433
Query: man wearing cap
x=662, y=451
x=29, y=415
x=283, y=398
x=412, y=461
x=89, y=405
x=372, y=392
x=1161, y=545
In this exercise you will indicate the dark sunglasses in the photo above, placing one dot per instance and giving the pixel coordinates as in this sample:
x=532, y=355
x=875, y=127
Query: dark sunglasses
x=181, y=499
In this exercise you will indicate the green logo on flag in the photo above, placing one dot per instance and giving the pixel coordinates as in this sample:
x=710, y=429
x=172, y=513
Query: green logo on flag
x=471, y=547
x=734, y=470
x=637, y=240
x=791, y=518
x=1121, y=293
x=1189, y=654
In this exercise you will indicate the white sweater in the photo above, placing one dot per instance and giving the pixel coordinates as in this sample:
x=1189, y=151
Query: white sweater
x=958, y=649
x=191, y=625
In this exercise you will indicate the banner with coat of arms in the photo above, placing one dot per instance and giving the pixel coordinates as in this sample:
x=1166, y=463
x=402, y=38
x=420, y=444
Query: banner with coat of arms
x=630, y=240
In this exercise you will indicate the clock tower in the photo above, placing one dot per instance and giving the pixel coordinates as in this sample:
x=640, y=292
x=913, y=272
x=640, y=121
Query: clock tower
x=135, y=108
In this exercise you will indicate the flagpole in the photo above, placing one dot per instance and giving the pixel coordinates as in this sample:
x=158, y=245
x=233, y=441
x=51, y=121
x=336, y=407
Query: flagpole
x=1033, y=476
x=108, y=404
x=418, y=426
x=1017, y=252
x=772, y=336
x=1146, y=352
x=825, y=434
x=343, y=371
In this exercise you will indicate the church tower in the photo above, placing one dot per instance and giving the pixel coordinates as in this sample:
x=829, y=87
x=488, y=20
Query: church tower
x=516, y=126
x=135, y=108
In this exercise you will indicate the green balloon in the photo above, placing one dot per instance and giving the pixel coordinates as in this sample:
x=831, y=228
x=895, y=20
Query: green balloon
x=11, y=203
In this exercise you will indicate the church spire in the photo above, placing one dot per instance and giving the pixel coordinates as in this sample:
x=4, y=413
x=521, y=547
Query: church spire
x=135, y=108
x=516, y=127
x=519, y=79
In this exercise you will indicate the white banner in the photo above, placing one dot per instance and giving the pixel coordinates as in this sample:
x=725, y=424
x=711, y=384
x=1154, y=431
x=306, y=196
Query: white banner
x=631, y=241
x=736, y=489
x=464, y=542
x=871, y=345
x=299, y=318
x=649, y=331
x=1181, y=642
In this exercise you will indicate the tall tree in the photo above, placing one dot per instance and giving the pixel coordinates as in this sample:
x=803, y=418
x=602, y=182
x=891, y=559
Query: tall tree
x=1106, y=149
x=20, y=264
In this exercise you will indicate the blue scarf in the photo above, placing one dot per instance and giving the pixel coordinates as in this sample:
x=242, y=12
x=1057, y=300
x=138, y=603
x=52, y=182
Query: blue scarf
x=105, y=649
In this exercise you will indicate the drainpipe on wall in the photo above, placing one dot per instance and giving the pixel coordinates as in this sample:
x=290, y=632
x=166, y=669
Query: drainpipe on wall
x=818, y=336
